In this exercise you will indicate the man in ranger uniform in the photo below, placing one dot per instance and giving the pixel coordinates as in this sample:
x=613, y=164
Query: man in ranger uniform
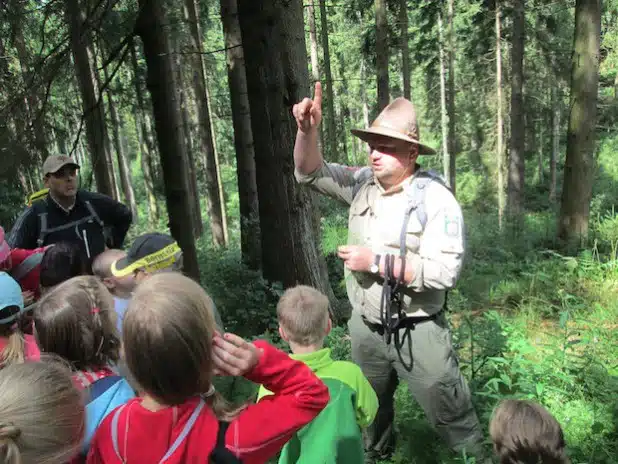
x=404, y=252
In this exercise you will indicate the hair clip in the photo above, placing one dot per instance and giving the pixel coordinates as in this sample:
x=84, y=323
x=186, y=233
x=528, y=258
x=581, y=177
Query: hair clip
x=14, y=327
x=95, y=310
x=210, y=392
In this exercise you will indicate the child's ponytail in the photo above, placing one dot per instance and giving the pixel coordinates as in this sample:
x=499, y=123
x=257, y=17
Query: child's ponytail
x=10, y=311
x=83, y=308
x=106, y=342
x=42, y=416
x=9, y=451
x=14, y=352
x=223, y=409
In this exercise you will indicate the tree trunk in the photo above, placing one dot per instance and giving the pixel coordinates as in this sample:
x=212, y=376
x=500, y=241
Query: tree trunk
x=94, y=116
x=452, y=141
x=33, y=93
x=516, y=178
x=443, y=110
x=364, y=148
x=365, y=104
x=541, y=148
x=555, y=141
x=315, y=61
x=313, y=39
x=499, y=125
x=382, y=54
x=216, y=211
x=277, y=76
x=250, y=237
x=405, y=48
x=329, y=101
x=190, y=165
x=153, y=28
x=146, y=149
x=581, y=141
x=97, y=54
x=123, y=163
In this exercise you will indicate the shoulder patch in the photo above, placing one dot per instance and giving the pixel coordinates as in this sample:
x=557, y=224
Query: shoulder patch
x=452, y=226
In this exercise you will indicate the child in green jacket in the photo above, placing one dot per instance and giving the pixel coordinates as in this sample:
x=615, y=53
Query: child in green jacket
x=334, y=436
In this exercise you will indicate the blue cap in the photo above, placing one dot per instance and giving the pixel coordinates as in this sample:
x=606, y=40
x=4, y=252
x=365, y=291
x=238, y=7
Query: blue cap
x=10, y=295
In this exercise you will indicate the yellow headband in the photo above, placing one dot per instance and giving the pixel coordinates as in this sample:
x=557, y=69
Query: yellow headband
x=153, y=262
x=36, y=196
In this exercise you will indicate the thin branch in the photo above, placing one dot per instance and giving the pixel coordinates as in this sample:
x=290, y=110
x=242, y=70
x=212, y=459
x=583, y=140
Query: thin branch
x=211, y=52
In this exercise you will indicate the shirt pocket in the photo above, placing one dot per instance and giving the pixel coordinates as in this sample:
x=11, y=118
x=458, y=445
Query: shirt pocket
x=413, y=233
x=359, y=232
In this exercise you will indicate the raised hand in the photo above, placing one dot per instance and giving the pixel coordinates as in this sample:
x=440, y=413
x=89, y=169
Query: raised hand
x=233, y=355
x=308, y=113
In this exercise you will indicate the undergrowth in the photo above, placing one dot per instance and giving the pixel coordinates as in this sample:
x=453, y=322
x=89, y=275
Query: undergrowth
x=527, y=323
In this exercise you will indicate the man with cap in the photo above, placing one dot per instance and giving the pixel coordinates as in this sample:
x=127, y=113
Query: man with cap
x=67, y=214
x=404, y=252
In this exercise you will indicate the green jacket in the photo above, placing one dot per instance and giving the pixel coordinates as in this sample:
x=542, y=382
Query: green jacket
x=335, y=435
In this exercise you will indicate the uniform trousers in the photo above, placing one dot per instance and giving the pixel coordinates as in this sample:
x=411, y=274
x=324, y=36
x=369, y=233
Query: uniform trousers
x=434, y=380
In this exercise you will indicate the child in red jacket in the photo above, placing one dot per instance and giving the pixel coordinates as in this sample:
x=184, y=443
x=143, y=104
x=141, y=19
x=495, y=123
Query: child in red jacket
x=173, y=351
x=23, y=266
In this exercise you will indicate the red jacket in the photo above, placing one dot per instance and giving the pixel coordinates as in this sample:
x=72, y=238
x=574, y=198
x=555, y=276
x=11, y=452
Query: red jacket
x=256, y=435
x=30, y=281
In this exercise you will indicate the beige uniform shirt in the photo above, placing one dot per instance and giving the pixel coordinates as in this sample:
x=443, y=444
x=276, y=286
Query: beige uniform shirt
x=376, y=218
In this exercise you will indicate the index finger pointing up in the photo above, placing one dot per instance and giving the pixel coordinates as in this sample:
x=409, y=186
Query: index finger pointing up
x=317, y=98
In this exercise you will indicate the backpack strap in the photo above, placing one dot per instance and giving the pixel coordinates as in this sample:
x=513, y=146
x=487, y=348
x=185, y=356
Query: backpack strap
x=220, y=454
x=114, y=427
x=416, y=203
x=42, y=228
x=360, y=178
x=93, y=213
x=23, y=269
x=101, y=386
x=183, y=434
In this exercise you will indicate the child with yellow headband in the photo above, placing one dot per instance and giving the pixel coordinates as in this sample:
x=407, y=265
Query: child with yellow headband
x=150, y=254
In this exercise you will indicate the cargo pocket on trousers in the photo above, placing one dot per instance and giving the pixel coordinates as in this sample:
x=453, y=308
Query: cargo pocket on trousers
x=452, y=399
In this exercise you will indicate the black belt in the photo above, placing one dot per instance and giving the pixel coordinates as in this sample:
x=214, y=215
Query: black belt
x=408, y=322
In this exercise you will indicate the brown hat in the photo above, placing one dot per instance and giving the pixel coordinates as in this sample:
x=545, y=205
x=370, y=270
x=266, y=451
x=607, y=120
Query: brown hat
x=56, y=162
x=396, y=121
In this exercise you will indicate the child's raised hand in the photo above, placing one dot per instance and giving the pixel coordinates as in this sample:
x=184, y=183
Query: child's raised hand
x=233, y=355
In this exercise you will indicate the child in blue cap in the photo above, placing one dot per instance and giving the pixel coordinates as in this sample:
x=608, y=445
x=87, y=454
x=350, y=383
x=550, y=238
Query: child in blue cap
x=14, y=345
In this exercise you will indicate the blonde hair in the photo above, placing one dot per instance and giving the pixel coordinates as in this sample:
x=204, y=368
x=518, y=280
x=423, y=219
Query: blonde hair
x=302, y=311
x=14, y=351
x=524, y=432
x=77, y=321
x=167, y=341
x=42, y=417
x=102, y=264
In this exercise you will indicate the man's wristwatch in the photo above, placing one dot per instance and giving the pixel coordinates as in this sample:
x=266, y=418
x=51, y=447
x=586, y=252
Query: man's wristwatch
x=375, y=267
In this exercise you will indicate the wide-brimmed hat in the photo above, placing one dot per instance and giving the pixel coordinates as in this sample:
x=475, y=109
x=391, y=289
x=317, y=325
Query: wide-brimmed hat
x=152, y=251
x=396, y=121
x=54, y=163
